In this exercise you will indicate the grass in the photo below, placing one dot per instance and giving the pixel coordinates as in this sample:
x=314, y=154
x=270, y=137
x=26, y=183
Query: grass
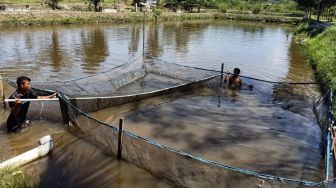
x=38, y=2
x=321, y=51
x=80, y=17
x=14, y=179
x=320, y=48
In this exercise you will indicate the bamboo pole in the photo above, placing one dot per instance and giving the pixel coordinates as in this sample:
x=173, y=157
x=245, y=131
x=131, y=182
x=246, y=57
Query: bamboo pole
x=121, y=122
x=222, y=72
x=3, y=93
x=143, y=34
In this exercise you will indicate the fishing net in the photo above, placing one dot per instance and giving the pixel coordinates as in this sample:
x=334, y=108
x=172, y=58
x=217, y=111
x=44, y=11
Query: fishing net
x=185, y=170
x=178, y=168
x=172, y=86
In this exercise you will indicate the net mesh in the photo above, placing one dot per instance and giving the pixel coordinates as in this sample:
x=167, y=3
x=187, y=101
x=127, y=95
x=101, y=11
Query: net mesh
x=134, y=77
x=178, y=168
x=141, y=80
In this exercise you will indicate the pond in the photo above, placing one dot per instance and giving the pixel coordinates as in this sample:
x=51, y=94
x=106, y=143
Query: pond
x=58, y=53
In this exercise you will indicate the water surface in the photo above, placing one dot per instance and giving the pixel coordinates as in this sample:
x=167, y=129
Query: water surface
x=259, y=50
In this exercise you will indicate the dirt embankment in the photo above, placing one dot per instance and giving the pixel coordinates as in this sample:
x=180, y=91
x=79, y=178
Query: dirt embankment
x=46, y=17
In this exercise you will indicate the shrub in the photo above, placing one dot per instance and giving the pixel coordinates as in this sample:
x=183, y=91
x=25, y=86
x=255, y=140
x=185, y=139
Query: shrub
x=256, y=9
x=11, y=178
x=157, y=14
x=223, y=8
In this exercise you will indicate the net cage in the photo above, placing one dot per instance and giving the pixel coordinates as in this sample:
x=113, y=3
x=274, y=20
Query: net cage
x=140, y=80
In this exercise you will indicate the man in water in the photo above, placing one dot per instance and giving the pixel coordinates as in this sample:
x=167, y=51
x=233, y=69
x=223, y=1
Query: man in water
x=18, y=116
x=234, y=80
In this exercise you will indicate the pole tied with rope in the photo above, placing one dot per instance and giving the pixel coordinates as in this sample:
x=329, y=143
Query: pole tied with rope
x=2, y=91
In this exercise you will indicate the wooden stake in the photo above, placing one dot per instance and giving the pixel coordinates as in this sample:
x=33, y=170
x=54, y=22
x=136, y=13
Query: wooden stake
x=222, y=72
x=3, y=93
x=121, y=122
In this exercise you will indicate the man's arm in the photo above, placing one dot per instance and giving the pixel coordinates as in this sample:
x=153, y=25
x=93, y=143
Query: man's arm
x=48, y=96
x=240, y=83
x=225, y=79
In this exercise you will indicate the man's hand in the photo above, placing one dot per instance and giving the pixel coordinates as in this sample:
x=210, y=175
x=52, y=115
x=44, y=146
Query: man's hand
x=225, y=79
x=53, y=95
x=17, y=101
x=250, y=87
x=48, y=96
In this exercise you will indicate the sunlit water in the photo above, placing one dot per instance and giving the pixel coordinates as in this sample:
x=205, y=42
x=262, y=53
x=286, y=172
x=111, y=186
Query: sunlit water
x=235, y=130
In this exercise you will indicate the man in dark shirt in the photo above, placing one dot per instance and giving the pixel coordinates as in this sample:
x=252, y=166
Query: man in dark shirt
x=18, y=116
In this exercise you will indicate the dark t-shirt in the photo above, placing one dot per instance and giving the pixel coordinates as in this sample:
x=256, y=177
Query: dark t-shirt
x=14, y=122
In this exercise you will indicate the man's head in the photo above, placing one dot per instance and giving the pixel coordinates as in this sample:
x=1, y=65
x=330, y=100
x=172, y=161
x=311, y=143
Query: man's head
x=23, y=83
x=236, y=71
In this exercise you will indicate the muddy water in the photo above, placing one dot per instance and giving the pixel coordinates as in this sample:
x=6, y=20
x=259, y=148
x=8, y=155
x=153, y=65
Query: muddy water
x=240, y=128
x=73, y=161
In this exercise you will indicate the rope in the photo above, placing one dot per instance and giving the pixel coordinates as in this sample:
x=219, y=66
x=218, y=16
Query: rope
x=257, y=79
x=41, y=109
x=198, y=68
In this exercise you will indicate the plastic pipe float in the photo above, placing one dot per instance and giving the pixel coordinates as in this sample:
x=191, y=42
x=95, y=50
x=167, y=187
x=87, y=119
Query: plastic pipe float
x=46, y=145
x=23, y=100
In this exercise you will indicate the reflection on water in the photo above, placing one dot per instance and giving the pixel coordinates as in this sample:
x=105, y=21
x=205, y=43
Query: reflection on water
x=56, y=53
x=95, y=50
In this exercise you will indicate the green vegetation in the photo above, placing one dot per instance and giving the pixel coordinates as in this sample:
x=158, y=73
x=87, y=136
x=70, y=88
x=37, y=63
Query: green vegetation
x=310, y=28
x=321, y=51
x=256, y=6
x=319, y=6
x=319, y=43
x=282, y=11
x=14, y=179
x=52, y=3
x=76, y=17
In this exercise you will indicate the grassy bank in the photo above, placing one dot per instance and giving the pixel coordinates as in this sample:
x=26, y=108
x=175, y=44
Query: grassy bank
x=79, y=17
x=322, y=54
x=14, y=179
x=320, y=42
x=320, y=47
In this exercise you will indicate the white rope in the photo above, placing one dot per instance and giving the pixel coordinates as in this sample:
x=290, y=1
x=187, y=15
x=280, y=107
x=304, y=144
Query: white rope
x=41, y=109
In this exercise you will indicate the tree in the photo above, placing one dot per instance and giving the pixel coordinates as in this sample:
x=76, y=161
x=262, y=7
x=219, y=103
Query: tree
x=189, y=5
x=95, y=4
x=317, y=5
x=52, y=3
x=323, y=5
x=309, y=5
x=172, y=4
